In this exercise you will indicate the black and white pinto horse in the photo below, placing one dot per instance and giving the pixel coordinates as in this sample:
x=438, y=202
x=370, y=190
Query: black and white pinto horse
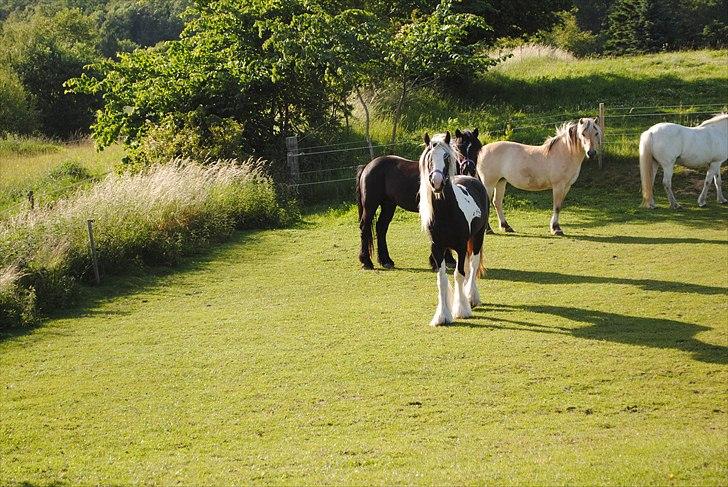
x=454, y=211
x=391, y=181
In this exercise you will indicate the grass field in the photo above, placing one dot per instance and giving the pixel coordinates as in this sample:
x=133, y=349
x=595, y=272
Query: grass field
x=599, y=358
x=28, y=164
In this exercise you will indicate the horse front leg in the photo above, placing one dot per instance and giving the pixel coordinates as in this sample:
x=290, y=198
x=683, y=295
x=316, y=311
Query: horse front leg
x=559, y=195
x=443, y=315
x=719, y=187
x=461, y=301
x=385, y=217
x=713, y=175
x=667, y=183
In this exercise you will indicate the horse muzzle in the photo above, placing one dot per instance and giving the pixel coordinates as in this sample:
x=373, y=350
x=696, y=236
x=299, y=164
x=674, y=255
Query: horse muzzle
x=437, y=181
x=591, y=153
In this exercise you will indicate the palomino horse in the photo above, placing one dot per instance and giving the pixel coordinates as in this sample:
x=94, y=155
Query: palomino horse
x=454, y=211
x=391, y=181
x=669, y=143
x=555, y=164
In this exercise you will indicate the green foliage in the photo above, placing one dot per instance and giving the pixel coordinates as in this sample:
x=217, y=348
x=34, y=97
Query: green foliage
x=154, y=217
x=128, y=24
x=567, y=35
x=715, y=34
x=17, y=303
x=16, y=108
x=45, y=51
x=26, y=146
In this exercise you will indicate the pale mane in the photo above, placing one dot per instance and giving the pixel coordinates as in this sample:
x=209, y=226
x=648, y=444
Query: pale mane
x=563, y=132
x=717, y=118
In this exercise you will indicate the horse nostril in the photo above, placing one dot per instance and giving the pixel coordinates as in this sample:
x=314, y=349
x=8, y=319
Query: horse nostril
x=591, y=153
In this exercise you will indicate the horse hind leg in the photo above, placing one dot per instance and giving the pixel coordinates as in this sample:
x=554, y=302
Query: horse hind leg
x=385, y=217
x=473, y=264
x=667, y=170
x=559, y=195
x=367, y=240
x=500, y=192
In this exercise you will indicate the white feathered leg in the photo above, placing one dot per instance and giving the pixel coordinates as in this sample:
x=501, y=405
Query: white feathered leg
x=461, y=302
x=443, y=315
x=471, y=288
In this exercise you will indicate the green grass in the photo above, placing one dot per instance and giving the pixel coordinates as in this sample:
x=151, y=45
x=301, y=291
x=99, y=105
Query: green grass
x=599, y=358
x=28, y=164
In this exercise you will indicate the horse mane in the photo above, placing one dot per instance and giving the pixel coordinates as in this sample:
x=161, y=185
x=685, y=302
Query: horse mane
x=441, y=138
x=716, y=118
x=566, y=133
x=425, y=193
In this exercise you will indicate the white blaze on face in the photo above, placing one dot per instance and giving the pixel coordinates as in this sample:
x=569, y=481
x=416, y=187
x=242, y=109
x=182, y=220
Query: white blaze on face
x=466, y=203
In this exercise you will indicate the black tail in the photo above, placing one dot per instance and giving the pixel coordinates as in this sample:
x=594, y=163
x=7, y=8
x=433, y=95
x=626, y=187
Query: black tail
x=367, y=241
x=359, y=201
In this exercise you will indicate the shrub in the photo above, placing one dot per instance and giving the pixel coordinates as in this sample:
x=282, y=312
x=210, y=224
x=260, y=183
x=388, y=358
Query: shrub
x=567, y=35
x=153, y=217
x=16, y=109
x=17, y=304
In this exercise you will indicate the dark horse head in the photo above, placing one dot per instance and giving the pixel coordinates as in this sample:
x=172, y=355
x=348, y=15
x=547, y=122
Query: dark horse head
x=467, y=145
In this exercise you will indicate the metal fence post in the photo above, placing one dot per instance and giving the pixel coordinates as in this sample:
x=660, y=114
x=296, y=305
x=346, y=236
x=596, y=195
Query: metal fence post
x=602, y=124
x=292, y=158
x=92, y=244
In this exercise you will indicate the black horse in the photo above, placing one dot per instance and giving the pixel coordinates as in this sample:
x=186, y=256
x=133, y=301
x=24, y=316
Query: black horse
x=391, y=181
x=454, y=211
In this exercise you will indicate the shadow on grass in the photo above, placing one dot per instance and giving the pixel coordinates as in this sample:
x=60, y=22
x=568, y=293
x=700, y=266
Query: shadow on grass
x=613, y=327
x=137, y=280
x=542, y=277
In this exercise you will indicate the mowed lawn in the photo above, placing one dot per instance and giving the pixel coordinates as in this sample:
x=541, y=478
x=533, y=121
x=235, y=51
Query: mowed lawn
x=599, y=358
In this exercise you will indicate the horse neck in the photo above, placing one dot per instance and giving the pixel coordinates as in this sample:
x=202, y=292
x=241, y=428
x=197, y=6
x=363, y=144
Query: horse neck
x=432, y=207
x=574, y=153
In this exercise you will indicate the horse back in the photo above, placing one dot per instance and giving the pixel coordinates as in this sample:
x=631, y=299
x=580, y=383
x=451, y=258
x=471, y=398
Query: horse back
x=392, y=178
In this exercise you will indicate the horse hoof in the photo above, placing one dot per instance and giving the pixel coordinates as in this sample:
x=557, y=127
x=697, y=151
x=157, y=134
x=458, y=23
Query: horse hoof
x=388, y=265
x=675, y=207
x=367, y=266
x=558, y=232
x=724, y=202
x=702, y=205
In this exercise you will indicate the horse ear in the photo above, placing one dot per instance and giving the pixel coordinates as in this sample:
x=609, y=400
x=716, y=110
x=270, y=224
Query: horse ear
x=475, y=132
x=447, y=137
x=458, y=133
x=426, y=138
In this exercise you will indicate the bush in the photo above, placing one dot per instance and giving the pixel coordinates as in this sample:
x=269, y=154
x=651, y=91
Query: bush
x=152, y=217
x=567, y=35
x=17, y=304
x=16, y=109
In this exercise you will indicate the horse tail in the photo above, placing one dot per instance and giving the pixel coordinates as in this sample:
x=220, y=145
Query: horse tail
x=646, y=163
x=359, y=200
x=367, y=246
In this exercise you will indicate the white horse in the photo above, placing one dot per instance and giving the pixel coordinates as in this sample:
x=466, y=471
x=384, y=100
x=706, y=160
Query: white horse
x=668, y=144
x=553, y=165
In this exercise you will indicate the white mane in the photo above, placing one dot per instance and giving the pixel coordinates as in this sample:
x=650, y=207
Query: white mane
x=426, y=193
x=564, y=132
x=717, y=118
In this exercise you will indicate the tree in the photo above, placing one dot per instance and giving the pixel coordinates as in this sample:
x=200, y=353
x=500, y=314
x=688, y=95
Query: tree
x=44, y=51
x=635, y=26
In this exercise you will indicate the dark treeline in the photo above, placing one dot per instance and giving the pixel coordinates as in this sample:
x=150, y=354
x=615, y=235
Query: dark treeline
x=230, y=78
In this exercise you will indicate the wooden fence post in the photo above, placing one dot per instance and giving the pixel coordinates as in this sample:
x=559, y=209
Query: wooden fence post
x=371, y=149
x=92, y=244
x=31, y=200
x=292, y=158
x=603, y=125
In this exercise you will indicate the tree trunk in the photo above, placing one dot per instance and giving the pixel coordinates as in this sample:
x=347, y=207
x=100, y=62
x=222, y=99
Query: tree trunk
x=366, y=110
x=398, y=113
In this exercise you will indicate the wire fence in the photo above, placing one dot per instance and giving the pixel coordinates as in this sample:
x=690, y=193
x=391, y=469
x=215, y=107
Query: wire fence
x=332, y=167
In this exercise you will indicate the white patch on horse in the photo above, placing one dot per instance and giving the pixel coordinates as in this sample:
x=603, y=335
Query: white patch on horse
x=466, y=203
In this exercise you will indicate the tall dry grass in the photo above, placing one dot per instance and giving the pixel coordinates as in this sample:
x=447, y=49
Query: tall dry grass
x=153, y=217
